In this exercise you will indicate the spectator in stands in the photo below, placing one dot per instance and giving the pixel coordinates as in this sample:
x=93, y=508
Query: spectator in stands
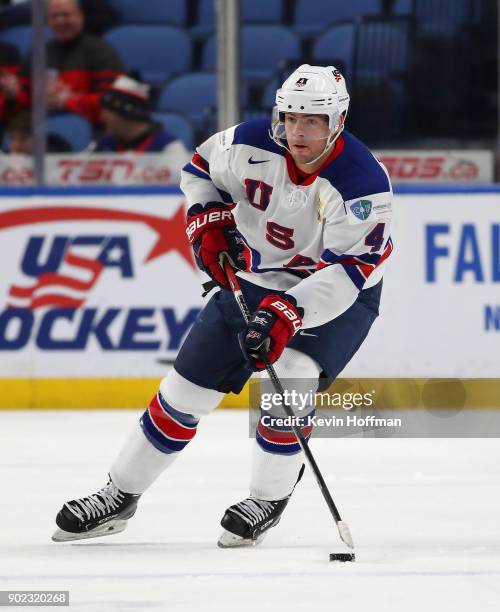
x=20, y=137
x=126, y=115
x=9, y=70
x=80, y=66
x=99, y=15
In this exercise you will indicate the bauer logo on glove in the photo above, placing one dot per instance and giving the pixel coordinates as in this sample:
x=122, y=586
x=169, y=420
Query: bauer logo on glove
x=270, y=329
x=213, y=218
x=211, y=229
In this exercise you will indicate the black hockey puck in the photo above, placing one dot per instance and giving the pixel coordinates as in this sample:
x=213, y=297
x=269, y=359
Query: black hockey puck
x=342, y=557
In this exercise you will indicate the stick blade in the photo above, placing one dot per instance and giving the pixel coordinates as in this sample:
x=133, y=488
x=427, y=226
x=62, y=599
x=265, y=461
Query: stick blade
x=345, y=534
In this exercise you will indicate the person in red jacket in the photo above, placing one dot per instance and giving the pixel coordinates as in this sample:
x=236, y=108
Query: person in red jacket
x=79, y=66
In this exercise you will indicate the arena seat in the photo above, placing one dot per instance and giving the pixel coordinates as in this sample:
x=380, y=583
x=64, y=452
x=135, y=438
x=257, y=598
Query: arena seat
x=252, y=12
x=262, y=11
x=193, y=95
x=403, y=7
x=73, y=128
x=178, y=125
x=155, y=12
x=265, y=49
x=313, y=16
x=336, y=47
x=440, y=18
x=158, y=52
x=21, y=37
x=380, y=108
x=382, y=49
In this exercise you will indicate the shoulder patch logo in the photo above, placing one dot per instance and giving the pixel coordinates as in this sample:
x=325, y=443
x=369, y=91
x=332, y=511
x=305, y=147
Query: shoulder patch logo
x=361, y=209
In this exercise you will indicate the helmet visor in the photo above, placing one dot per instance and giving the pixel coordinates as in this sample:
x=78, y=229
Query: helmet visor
x=300, y=127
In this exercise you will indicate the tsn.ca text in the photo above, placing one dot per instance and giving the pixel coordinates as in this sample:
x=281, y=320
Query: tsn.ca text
x=92, y=171
x=429, y=168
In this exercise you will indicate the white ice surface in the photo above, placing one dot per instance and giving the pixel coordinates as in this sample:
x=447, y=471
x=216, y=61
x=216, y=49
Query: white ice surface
x=424, y=515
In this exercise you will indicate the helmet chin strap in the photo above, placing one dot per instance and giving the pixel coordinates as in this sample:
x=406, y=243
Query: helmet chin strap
x=329, y=144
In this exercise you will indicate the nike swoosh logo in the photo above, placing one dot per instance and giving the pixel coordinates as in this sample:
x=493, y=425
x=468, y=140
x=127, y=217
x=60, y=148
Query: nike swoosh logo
x=263, y=161
x=304, y=333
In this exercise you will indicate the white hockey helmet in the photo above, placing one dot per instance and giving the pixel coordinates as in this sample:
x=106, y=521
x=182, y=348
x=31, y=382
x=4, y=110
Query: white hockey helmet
x=312, y=90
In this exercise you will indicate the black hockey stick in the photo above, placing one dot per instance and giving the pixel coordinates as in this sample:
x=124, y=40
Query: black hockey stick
x=345, y=534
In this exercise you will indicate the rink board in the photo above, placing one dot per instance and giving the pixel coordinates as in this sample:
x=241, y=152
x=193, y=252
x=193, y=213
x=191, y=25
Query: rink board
x=99, y=290
x=118, y=393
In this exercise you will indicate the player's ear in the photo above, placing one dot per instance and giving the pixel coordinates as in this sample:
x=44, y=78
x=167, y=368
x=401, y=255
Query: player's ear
x=340, y=123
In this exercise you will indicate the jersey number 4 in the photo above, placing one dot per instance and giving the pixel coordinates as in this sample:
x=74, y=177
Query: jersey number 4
x=376, y=237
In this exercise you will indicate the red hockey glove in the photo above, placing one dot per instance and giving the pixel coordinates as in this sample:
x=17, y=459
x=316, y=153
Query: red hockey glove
x=211, y=229
x=271, y=327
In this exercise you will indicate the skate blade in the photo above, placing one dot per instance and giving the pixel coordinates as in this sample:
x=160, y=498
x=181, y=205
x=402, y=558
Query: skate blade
x=231, y=540
x=110, y=528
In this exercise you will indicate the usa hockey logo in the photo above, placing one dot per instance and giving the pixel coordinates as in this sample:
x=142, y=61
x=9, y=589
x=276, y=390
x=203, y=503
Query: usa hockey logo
x=58, y=295
x=64, y=278
x=301, y=82
x=361, y=209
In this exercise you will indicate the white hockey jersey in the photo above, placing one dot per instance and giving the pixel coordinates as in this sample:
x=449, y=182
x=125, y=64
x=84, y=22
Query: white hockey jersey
x=322, y=240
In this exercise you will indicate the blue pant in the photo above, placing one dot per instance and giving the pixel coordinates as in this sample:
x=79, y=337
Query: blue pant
x=211, y=356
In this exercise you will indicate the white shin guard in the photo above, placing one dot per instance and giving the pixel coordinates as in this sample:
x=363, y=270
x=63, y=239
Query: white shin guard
x=274, y=475
x=139, y=463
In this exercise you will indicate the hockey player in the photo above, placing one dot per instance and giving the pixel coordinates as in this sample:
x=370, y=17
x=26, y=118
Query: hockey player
x=303, y=211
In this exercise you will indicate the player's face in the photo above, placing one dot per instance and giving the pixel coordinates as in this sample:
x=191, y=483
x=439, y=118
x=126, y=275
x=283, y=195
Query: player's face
x=306, y=136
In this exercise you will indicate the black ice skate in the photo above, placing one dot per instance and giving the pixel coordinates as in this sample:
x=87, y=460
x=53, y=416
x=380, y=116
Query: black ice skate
x=103, y=513
x=246, y=523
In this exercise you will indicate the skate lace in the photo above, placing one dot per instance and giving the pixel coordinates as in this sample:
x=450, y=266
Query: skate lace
x=98, y=504
x=253, y=510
